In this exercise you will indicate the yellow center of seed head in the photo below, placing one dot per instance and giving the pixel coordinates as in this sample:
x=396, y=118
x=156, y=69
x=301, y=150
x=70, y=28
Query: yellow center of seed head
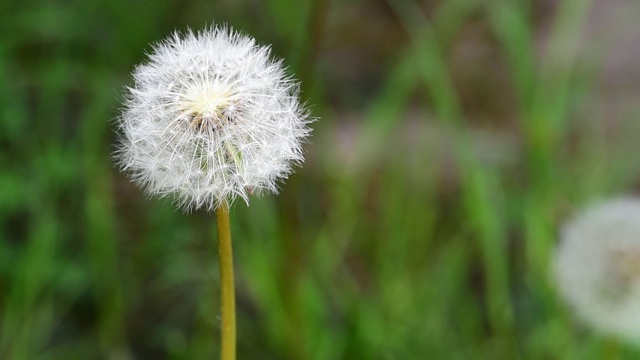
x=205, y=107
x=627, y=265
x=623, y=272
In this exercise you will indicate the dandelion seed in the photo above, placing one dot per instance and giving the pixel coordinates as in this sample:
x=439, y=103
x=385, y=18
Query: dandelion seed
x=211, y=117
x=597, y=266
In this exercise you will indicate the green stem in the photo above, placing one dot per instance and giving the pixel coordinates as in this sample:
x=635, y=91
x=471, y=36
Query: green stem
x=611, y=349
x=227, y=288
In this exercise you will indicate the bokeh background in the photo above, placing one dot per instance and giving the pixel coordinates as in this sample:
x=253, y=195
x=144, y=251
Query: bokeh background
x=454, y=138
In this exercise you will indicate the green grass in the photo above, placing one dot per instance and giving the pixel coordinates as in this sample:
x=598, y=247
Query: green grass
x=396, y=240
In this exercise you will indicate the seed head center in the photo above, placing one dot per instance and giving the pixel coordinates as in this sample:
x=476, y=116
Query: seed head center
x=207, y=108
x=627, y=265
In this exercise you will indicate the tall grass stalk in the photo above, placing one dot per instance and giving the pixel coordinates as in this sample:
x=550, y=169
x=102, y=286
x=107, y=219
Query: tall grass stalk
x=481, y=199
x=100, y=225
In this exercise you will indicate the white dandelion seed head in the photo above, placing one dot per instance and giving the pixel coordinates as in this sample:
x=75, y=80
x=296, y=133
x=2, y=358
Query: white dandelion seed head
x=597, y=267
x=211, y=117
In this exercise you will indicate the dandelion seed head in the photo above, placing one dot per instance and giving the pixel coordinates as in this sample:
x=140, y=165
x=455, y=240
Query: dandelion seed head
x=210, y=118
x=597, y=267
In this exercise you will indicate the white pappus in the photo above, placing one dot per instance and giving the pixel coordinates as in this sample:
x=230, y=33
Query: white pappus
x=597, y=267
x=210, y=117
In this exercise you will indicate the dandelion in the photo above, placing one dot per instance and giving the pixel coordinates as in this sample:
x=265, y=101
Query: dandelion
x=597, y=266
x=211, y=118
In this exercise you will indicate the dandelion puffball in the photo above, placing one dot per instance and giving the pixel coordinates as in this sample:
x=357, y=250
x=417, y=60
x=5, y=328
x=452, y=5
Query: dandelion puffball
x=597, y=267
x=210, y=117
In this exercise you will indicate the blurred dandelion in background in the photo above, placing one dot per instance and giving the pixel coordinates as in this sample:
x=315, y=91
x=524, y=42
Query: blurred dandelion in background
x=597, y=266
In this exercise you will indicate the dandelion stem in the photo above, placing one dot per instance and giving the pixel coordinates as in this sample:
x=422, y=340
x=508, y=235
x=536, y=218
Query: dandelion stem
x=611, y=349
x=227, y=288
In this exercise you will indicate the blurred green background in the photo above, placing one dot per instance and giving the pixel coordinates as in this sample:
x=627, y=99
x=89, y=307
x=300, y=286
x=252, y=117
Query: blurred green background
x=454, y=139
